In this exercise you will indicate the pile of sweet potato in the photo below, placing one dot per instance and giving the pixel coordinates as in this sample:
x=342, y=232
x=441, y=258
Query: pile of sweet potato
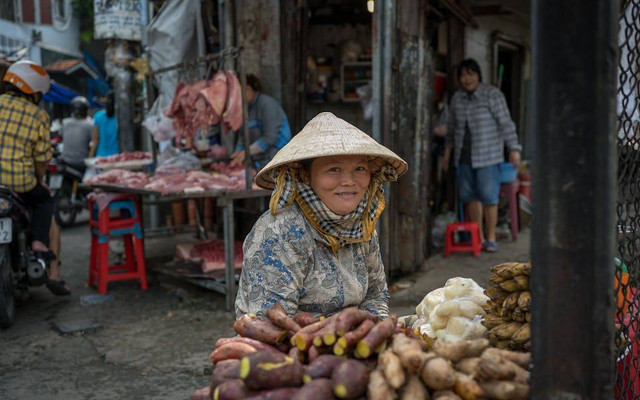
x=299, y=357
x=465, y=369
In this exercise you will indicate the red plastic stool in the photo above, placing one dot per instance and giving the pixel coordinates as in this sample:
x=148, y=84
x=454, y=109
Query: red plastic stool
x=103, y=225
x=511, y=191
x=450, y=245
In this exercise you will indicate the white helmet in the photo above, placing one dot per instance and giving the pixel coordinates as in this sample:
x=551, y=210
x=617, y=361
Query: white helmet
x=28, y=76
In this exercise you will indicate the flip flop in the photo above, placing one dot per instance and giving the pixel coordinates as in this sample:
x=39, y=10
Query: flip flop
x=58, y=288
x=490, y=247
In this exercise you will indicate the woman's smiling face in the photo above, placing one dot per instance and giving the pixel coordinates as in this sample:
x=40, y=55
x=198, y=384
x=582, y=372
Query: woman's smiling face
x=340, y=181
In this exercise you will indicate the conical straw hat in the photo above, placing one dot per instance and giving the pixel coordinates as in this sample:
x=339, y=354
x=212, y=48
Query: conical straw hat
x=327, y=135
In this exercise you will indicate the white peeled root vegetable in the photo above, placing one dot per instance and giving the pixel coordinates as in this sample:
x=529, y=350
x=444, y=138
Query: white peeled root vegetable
x=430, y=301
x=459, y=308
x=392, y=368
x=456, y=288
x=378, y=388
x=414, y=389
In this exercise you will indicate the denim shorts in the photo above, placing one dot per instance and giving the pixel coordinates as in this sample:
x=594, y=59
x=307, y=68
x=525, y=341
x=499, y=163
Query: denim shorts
x=482, y=184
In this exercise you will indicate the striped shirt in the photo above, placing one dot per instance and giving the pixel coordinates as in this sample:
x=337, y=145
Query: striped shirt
x=490, y=124
x=24, y=139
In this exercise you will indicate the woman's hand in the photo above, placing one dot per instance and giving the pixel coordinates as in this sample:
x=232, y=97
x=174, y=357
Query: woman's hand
x=514, y=158
x=237, y=158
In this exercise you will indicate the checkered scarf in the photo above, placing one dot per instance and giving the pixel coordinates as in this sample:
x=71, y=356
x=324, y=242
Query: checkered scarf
x=338, y=230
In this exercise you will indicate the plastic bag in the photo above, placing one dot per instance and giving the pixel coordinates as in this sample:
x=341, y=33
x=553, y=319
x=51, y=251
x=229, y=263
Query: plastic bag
x=440, y=227
x=159, y=125
x=365, y=93
x=184, y=161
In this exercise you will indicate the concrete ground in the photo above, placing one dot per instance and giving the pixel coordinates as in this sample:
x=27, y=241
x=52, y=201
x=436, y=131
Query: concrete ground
x=152, y=344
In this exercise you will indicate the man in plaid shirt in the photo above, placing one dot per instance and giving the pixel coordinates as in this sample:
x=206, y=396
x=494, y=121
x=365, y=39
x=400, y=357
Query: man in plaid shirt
x=25, y=151
x=479, y=127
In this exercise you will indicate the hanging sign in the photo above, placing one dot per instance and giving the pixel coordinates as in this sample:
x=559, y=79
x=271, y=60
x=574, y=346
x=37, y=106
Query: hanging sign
x=118, y=19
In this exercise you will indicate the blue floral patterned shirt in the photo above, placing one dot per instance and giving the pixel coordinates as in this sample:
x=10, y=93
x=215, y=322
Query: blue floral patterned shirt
x=286, y=261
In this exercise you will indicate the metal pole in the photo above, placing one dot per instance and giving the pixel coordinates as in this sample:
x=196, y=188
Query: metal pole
x=574, y=60
x=246, y=142
x=229, y=256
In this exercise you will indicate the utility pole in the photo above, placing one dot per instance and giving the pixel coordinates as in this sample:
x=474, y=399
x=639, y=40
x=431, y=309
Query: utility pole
x=574, y=90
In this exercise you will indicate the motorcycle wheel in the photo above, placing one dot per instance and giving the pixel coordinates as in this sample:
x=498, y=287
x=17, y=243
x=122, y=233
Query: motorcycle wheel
x=65, y=212
x=7, y=300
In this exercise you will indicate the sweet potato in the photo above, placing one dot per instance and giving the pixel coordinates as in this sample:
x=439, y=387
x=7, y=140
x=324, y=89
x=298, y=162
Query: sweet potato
x=318, y=389
x=304, y=318
x=376, y=336
x=224, y=371
x=275, y=394
x=352, y=338
x=296, y=354
x=351, y=317
x=378, y=387
x=445, y=395
x=265, y=370
x=231, y=351
x=253, y=327
x=314, y=352
x=409, y=351
x=456, y=351
x=326, y=335
x=231, y=390
x=202, y=394
x=303, y=339
x=279, y=317
x=414, y=389
x=493, y=366
x=322, y=367
x=251, y=342
x=466, y=387
x=438, y=374
x=392, y=369
x=350, y=379
x=468, y=365
x=522, y=359
x=505, y=390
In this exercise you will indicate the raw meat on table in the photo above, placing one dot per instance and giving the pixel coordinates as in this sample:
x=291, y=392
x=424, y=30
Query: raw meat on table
x=209, y=254
x=126, y=156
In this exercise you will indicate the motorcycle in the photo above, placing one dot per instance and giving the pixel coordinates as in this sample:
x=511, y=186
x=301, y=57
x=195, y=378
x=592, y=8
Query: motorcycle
x=19, y=267
x=64, y=182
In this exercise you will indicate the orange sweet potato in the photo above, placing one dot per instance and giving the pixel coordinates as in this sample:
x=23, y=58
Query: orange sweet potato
x=351, y=317
x=376, y=337
x=249, y=325
x=304, y=318
x=231, y=351
x=256, y=344
x=224, y=371
x=279, y=317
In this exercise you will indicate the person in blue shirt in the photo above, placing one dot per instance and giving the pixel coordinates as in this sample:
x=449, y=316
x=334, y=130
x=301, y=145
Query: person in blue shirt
x=105, y=130
x=269, y=129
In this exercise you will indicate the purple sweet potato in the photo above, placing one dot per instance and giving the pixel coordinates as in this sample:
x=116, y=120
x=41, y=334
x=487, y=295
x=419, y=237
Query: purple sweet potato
x=231, y=390
x=322, y=367
x=350, y=379
x=318, y=389
x=266, y=370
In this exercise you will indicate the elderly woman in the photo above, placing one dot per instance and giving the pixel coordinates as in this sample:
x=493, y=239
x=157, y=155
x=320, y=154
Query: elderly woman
x=316, y=249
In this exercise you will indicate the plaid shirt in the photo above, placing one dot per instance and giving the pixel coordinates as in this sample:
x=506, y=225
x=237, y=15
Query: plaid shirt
x=489, y=122
x=24, y=139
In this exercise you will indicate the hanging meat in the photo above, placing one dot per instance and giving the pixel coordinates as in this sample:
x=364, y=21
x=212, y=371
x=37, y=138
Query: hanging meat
x=232, y=116
x=216, y=95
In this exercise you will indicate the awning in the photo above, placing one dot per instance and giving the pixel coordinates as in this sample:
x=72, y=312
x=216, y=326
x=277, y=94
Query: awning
x=59, y=94
x=72, y=67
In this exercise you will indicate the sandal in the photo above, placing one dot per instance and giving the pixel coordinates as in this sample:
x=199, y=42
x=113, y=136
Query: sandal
x=59, y=288
x=490, y=247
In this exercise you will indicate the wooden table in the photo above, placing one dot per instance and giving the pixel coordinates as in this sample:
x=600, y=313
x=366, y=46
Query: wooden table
x=224, y=200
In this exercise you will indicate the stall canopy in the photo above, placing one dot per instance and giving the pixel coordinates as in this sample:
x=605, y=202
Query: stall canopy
x=58, y=94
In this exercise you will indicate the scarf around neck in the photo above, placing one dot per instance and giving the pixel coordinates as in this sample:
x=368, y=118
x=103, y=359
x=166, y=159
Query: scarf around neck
x=337, y=230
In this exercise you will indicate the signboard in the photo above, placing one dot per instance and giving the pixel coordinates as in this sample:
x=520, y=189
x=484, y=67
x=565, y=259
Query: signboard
x=118, y=19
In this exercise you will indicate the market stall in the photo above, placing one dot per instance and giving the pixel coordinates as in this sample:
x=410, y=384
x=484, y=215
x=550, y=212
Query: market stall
x=454, y=347
x=208, y=94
